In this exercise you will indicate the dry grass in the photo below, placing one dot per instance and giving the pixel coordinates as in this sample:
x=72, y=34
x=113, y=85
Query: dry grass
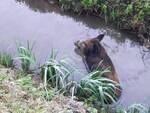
x=18, y=97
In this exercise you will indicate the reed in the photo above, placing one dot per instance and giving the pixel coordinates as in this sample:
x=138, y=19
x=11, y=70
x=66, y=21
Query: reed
x=26, y=56
x=97, y=87
x=6, y=60
x=57, y=72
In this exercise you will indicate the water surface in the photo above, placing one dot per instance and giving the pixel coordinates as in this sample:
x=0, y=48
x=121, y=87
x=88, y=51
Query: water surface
x=48, y=27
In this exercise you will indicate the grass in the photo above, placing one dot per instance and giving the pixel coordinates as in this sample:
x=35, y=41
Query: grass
x=26, y=84
x=17, y=87
x=137, y=108
x=6, y=60
x=96, y=87
x=26, y=56
x=56, y=73
x=18, y=94
x=134, y=108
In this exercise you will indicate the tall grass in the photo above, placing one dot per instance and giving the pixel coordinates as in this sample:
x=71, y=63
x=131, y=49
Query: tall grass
x=134, y=108
x=26, y=56
x=57, y=72
x=137, y=108
x=6, y=60
x=96, y=87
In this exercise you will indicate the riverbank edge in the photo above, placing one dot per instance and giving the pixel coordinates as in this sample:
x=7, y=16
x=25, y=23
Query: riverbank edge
x=128, y=18
x=22, y=93
x=19, y=93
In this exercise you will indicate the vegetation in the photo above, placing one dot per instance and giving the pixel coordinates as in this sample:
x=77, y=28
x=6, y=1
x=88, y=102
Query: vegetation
x=57, y=73
x=26, y=56
x=135, y=108
x=99, y=88
x=18, y=93
x=131, y=15
x=6, y=60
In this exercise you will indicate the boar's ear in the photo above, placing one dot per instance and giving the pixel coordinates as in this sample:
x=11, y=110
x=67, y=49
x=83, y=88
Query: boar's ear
x=100, y=37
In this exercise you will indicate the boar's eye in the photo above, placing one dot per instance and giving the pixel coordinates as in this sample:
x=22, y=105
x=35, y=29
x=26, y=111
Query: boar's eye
x=96, y=48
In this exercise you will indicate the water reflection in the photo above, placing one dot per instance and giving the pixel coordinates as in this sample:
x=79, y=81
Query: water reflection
x=43, y=6
x=40, y=5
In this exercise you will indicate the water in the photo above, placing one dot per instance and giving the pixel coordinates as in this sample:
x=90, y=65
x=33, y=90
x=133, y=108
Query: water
x=48, y=27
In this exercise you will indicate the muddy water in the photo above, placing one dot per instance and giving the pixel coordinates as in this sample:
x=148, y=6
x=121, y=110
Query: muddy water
x=48, y=27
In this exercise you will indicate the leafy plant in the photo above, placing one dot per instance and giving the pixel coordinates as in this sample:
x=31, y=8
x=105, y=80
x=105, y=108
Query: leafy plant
x=6, y=60
x=137, y=108
x=74, y=5
x=129, y=9
x=88, y=3
x=26, y=56
x=56, y=72
x=97, y=87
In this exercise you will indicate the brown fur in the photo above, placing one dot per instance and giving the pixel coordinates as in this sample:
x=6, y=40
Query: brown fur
x=92, y=53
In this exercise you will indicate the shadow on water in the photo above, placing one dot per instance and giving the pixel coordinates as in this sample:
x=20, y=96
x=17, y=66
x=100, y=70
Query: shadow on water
x=49, y=27
x=43, y=6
